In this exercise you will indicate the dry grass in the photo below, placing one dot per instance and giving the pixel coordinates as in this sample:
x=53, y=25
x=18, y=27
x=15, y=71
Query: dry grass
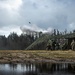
x=21, y=55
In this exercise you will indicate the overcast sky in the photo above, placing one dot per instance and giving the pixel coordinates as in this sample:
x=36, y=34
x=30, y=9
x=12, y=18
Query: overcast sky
x=45, y=14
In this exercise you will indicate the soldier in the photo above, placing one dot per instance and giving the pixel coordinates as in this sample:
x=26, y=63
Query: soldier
x=65, y=46
x=61, y=43
x=53, y=45
x=57, y=46
x=48, y=46
x=73, y=45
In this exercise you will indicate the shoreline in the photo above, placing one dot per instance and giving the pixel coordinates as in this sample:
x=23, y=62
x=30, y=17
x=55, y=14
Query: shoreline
x=13, y=61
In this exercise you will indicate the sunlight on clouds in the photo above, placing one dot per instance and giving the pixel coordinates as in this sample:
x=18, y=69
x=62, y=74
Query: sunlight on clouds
x=9, y=11
x=11, y=4
x=10, y=29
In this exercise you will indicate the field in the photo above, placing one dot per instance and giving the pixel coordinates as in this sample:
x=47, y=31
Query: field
x=19, y=56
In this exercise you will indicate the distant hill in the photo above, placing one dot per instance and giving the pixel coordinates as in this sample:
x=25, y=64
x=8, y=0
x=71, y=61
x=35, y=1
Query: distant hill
x=40, y=43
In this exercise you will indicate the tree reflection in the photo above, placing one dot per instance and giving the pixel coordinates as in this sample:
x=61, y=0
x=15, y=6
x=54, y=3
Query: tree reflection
x=37, y=69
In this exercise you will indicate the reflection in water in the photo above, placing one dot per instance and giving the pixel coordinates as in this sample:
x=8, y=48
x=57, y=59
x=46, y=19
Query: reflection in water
x=37, y=69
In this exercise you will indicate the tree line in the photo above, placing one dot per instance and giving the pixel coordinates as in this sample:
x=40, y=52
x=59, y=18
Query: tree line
x=15, y=42
x=21, y=42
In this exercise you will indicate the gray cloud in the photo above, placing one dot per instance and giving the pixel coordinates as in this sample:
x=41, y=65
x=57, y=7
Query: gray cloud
x=59, y=14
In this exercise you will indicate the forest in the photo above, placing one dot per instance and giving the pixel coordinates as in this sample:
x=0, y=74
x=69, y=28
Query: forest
x=15, y=42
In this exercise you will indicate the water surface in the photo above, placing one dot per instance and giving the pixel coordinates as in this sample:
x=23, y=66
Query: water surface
x=37, y=69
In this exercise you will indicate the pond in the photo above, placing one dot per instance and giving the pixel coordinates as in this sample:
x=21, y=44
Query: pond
x=38, y=69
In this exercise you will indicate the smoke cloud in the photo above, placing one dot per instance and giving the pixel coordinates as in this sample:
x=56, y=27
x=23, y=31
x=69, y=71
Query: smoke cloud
x=35, y=28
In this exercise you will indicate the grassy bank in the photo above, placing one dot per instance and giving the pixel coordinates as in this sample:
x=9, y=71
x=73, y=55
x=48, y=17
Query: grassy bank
x=15, y=56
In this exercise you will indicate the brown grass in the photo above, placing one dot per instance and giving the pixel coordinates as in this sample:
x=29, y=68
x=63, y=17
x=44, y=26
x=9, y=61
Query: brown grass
x=22, y=55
